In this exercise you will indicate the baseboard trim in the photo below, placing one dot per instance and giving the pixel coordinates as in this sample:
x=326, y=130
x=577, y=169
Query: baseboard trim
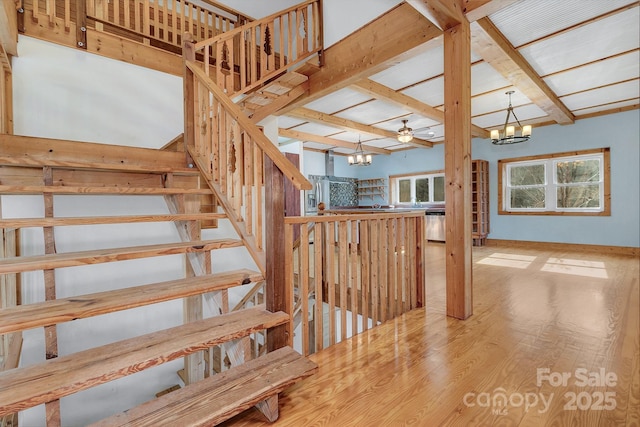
x=617, y=250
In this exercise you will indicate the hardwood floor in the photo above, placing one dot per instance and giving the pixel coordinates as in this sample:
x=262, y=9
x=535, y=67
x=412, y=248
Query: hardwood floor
x=573, y=314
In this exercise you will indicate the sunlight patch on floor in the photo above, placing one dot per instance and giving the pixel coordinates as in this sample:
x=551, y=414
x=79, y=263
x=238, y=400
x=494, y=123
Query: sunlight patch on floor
x=508, y=260
x=576, y=267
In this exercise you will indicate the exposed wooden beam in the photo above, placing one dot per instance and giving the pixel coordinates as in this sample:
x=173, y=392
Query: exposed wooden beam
x=445, y=14
x=476, y=9
x=279, y=103
x=373, y=48
x=379, y=91
x=488, y=42
x=305, y=136
x=9, y=26
x=350, y=125
x=457, y=169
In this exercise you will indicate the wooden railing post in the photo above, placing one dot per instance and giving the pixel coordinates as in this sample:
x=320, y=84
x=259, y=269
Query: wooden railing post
x=420, y=242
x=188, y=54
x=278, y=294
x=81, y=24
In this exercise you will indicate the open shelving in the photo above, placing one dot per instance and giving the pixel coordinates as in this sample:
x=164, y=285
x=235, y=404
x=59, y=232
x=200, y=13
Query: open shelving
x=372, y=188
x=479, y=201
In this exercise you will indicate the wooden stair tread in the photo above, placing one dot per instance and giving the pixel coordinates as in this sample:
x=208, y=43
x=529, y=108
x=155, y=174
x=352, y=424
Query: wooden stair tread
x=45, y=313
x=58, y=153
x=43, y=382
x=221, y=396
x=71, y=259
x=62, y=189
x=95, y=220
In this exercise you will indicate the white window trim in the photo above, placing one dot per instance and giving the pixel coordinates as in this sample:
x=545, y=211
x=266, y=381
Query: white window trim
x=413, y=178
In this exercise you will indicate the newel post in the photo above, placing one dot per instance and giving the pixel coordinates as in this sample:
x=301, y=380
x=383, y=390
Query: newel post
x=188, y=54
x=278, y=295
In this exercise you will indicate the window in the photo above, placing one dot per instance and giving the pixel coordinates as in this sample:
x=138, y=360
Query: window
x=423, y=188
x=574, y=183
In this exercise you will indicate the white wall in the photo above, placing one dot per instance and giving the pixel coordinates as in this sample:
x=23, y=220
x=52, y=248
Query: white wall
x=619, y=131
x=66, y=93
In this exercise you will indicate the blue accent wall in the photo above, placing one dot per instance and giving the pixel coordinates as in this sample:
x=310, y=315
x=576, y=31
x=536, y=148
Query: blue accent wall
x=620, y=132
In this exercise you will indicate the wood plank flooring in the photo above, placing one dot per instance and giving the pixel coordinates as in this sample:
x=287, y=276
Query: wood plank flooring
x=574, y=314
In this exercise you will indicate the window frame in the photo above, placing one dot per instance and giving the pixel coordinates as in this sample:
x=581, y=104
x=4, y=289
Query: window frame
x=394, y=186
x=551, y=185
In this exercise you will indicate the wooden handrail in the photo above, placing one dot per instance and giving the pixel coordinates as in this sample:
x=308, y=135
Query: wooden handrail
x=251, y=53
x=287, y=168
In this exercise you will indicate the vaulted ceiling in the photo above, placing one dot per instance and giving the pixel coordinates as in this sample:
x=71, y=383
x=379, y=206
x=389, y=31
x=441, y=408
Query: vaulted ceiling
x=564, y=60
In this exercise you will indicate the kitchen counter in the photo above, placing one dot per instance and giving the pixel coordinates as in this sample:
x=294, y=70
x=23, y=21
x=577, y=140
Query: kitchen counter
x=374, y=210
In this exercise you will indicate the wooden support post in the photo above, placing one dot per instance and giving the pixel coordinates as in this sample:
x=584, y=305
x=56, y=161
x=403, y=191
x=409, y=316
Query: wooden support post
x=269, y=408
x=188, y=54
x=50, y=332
x=457, y=164
x=420, y=260
x=192, y=306
x=277, y=292
x=81, y=24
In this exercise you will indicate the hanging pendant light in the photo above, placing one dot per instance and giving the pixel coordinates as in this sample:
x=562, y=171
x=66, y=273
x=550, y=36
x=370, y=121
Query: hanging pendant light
x=358, y=158
x=509, y=135
x=405, y=133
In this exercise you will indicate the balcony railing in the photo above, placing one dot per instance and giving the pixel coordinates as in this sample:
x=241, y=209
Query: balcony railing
x=351, y=272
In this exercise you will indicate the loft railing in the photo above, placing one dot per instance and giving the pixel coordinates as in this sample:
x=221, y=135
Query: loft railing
x=352, y=272
x=248, y=56
x=161, y=20
x=165, y=20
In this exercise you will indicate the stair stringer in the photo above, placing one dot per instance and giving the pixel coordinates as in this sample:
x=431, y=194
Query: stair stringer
x=215, y=300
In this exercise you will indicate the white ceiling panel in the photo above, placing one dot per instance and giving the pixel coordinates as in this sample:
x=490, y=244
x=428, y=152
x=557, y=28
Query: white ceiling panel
x=289, y=122
x=415, y=122
x=317, y=146
x=487, y=103
x=485, y=78
x=598, y=40
x=337, y=101
x=381, y=143
x=603, y=95
x=431, y=92
x=606, y=107
x=419, y=68
x=529, y=20
x=317, y=129
x=372, y=112
x=596, y=74
x=496, y=120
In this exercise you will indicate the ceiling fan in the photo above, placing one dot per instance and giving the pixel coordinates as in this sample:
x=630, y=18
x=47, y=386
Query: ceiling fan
x=406, y=134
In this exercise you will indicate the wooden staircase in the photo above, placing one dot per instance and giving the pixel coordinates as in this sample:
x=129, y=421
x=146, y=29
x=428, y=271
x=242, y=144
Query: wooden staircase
x=51, y=169
x=232, y=80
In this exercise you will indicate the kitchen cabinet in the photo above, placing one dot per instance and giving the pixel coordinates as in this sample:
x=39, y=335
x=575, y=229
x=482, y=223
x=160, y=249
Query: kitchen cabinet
x=372, y=188
x=479, y=201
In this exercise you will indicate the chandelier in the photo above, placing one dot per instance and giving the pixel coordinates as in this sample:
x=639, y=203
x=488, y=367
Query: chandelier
x=358, y=158
x=405, y=133
x=509, y=132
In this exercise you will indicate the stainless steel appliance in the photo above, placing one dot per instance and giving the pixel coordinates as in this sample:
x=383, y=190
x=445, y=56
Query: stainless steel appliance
x=318, y=193
x=435, y=224
x=332, y=191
